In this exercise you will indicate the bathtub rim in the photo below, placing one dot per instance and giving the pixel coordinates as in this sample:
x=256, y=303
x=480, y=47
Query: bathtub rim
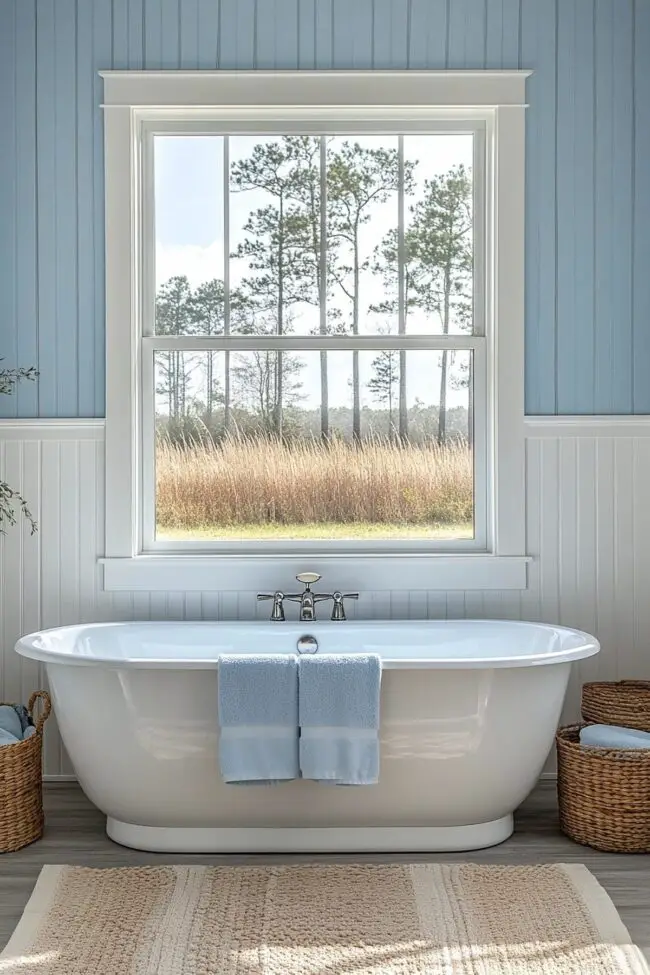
x=26, y=647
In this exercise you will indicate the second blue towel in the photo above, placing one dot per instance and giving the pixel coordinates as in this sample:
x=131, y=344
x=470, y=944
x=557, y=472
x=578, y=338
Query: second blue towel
x=339, y=718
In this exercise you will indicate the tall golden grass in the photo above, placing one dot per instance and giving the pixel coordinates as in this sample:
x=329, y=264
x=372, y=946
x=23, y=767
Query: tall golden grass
x=248, y=481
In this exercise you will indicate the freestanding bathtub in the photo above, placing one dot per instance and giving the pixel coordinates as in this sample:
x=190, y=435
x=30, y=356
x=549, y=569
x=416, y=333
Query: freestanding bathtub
x=469, y=711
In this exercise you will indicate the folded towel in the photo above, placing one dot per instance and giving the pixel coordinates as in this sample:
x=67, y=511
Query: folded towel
x=339, y=717
x=613, y=736
x=258, y=717
x=29, y=731
x=6, y=738
x=24, y=716
x=10, y=721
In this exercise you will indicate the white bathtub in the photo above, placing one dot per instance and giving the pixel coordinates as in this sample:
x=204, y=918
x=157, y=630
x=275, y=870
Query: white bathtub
x=469, y=710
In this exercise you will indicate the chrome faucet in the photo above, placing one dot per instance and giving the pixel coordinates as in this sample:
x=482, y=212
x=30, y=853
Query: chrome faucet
x=308, y=600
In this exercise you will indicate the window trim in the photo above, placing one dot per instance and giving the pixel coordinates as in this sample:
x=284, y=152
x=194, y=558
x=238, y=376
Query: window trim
x=136, y=98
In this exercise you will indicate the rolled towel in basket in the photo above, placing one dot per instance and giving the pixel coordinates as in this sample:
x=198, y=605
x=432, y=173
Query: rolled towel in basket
x=6, y=738
x=613, y=736
x=10, y=721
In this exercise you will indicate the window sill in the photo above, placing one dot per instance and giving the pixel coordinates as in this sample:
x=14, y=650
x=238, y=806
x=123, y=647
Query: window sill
x=191, y=573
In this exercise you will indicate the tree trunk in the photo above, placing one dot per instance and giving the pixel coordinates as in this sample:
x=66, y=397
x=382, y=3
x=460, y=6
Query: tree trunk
x=442, y=415
x=470, y=403
x=315, y=220
x=210, y=383
x=403, y=408
x=176, y=385
x=170, y=385
x=269, y=382
x=324, y=398
x=279, y=371
x=356, y=392
x=403, y=411
x=226, y=393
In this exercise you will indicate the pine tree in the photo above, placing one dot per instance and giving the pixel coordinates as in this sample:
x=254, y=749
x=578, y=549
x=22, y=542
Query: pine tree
x=174, y=317
x=386, y=266
x=306, y=190
x=384, y=382
x=207, y=317
x=358, y=178
x=442, y=260
x=274, y=243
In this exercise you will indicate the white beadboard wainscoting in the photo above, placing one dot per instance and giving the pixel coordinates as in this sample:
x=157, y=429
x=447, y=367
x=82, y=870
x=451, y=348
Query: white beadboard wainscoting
x=588, y=532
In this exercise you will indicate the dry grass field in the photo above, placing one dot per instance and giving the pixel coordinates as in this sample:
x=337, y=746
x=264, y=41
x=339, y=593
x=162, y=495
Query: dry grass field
x=266, y=489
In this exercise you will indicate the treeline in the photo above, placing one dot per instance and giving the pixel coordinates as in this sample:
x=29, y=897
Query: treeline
x=300, y=425
x=281, y=254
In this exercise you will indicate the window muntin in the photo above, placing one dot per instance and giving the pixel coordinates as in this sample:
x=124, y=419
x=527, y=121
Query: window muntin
x=411, y=316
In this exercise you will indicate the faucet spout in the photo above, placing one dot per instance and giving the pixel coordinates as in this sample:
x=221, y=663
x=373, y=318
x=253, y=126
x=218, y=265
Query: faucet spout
x=308, y=598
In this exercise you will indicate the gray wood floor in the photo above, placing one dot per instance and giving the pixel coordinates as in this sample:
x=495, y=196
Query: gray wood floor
x=75, y=834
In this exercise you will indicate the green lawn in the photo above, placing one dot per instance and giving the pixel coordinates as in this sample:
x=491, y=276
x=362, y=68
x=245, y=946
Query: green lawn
x=359, y=530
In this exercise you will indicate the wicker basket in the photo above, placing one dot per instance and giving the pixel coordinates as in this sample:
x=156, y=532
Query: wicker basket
x=622, y=702
x=21, y=785
x=603, y=794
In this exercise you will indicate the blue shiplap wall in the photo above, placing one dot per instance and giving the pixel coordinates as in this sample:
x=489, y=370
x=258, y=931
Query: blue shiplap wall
x=588, y=180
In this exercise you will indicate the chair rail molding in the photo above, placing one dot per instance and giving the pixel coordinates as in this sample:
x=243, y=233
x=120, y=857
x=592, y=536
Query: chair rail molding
x=92, y=428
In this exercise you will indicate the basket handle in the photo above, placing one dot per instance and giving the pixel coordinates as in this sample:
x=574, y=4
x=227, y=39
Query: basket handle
x=46, y=708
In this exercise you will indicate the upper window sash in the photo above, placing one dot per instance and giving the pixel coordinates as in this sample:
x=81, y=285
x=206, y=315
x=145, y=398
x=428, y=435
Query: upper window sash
x=442, y=122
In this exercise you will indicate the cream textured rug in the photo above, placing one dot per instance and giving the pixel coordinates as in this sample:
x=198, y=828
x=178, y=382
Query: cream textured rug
x=456, y=919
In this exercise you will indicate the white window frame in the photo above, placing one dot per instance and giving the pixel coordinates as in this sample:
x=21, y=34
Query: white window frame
x=139, y=104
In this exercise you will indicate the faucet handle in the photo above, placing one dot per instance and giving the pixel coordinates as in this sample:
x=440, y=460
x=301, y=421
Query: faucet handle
x=308, y=578
x=338, y=609
x=277, y=613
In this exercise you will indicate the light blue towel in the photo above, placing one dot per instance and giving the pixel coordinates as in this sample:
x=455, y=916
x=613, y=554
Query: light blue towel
x=613, y=736
x=258, y=718
x=339, y=718
x=6, y=738
x=10, y=721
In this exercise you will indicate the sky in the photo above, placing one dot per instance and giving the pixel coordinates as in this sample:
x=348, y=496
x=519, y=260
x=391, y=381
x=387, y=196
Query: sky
x=189, y=219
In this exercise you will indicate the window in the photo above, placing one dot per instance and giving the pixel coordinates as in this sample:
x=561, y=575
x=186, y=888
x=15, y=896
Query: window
x=314, y=318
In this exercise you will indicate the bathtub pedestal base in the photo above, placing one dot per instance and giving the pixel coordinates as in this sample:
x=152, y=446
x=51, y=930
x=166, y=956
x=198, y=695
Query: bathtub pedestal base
x=355, y=839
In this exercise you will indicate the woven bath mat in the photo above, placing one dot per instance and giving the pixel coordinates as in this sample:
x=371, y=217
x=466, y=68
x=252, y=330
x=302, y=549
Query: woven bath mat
x=454, y=919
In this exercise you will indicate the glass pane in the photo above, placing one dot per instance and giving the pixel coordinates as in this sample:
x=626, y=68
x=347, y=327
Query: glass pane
x=275, y=234
x=300, y=445
x=438, y=233
x=189, y=257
